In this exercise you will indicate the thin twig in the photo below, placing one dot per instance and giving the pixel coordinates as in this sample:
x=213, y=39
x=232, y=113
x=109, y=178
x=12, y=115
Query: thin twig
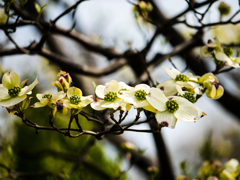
x=67, y=11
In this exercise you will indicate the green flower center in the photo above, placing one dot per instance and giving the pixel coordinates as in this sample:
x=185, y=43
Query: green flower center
x=75, y=99
x=172, y=105
x=228, y=51
x=110, y=96
x=181, y=77
x=48, y=96
x=189, y=96
x=123, y=89
x=140, y=95
x=14, y=91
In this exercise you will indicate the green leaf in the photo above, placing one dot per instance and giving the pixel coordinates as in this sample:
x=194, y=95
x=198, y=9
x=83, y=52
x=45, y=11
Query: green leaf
x=183, y=166
x=8, y=4
x=43, y=6
x=38, y=8
x=94, y=85
x=141, y=151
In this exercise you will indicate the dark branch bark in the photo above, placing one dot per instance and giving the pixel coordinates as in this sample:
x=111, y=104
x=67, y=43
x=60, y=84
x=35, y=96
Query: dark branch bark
x=68, y=65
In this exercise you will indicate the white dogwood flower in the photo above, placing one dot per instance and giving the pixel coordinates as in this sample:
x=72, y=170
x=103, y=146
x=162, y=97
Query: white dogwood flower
x=229, y=61
x=109, y=96
x=220, y=54
x=169, y=87
x=136, y=96
x=11, y=91
x=53, y=101
x=172, y=108
x=75, y=100
x=189, y=90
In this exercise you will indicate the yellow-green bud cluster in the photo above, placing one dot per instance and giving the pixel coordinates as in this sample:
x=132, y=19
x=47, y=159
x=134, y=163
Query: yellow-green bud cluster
x=75, y=99
x=172, y=105
x=140, y=95
x=181, y=77
x=49, y=96
x=228, y=51
x=111, y=96
x=14, y=91
x=189, y=96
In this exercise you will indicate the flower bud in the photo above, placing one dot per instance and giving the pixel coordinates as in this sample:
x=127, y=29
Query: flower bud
x=182, y=177
x=208, y=169
x=142, y=4
x=145, y=7
x=26, y=103
x=64, y=83
x=152, y=170
x=213, y=90
x=127, y=147
x=58, y=85
x=3, y=17
x=66, y=76
x=232, y=165
x=224, y=9
x=61, y=84
x=226, y=175
x=208, y=77
x=219, y=92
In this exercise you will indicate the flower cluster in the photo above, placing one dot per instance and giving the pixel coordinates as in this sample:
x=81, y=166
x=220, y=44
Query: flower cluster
x=222, y=56
x=216, y=171
x=170, y=100
x=68, y=98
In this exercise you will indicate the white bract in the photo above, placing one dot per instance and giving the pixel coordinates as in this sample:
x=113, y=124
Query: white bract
x=136, y=96
x=109, y=96
x=172, y=108
x=229, y=61
x=11, y=91
x=46, y=98
x=232, y=165
x=124, y=87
